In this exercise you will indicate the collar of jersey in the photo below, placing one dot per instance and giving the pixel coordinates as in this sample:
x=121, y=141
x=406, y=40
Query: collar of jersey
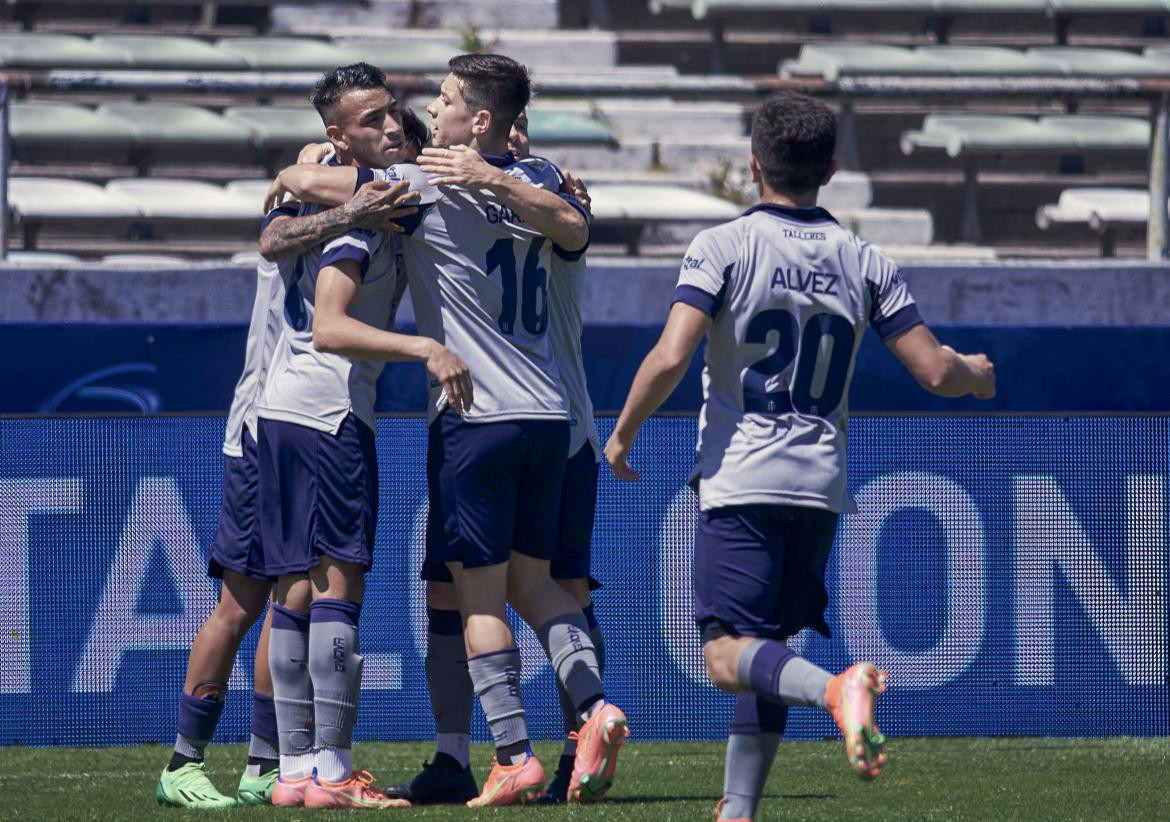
x=499, y=160
x=812, y=214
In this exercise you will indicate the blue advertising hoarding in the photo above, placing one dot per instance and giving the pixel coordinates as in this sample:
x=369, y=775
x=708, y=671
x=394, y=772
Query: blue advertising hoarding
x=1010, y=572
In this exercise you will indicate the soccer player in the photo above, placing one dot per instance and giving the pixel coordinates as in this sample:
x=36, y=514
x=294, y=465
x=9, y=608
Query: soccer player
x=479, y=262
x=237, y=557
x=318, y=468
x=783, y=295
x=448, y=778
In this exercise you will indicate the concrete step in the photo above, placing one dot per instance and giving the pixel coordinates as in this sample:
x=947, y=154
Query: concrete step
x=383, y=16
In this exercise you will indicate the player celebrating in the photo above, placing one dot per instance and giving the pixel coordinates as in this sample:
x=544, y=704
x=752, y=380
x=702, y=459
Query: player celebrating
x=237, y=556
x=318, y=468
x=783, y=294
x=448, y=777
x=479, y=262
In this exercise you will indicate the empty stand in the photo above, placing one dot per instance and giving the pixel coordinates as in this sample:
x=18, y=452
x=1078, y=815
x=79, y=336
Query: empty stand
x=1106, y=211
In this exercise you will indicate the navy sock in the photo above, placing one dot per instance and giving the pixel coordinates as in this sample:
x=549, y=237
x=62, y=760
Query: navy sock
x=760, y=665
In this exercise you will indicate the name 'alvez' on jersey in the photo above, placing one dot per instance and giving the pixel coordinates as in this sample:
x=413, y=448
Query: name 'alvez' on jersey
x=791, y=293
x=315, y=388
x=479, y=282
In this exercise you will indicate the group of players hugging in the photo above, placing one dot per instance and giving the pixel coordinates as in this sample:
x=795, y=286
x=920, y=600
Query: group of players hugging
x=491, y=241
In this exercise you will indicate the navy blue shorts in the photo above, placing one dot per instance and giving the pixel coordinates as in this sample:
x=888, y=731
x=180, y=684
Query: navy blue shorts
x=760, y=570
x=237, y=546
x=503, y=483
x=577, y=509
x=318, y=495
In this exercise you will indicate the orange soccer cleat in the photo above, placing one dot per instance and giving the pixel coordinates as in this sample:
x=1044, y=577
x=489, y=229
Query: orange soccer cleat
x=599, y=741
x=851, y=697
x=355, y=792
x=290, y=793
x=510, y=784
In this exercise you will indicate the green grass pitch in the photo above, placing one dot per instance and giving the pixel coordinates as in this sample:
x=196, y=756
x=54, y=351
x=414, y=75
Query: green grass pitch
x=944, y=779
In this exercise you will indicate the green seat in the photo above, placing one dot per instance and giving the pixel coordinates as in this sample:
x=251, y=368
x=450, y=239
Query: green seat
x=286, y=53
x=167, y=52
x=162, y=123
x=968, y=61
x=958, y=134
x=1094, y=132
x=39, y=50
x=974, y=6
x=48, y=123
x=1108, y=6
x=33, y=198
x=546, y=127
x=834, y=60
x=1094, y=62
x=396, y=55
x=279, y=125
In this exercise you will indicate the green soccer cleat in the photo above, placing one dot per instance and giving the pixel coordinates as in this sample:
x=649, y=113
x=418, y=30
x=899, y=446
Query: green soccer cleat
x=257, y=790
x=189, y=787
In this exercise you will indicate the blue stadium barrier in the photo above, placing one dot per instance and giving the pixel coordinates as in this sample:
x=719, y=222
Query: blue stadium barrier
x=1010, y=571
x=185, y=368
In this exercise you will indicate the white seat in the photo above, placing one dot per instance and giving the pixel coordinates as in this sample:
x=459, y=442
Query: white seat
x=654, y=203
x=185, y=199
x=1096, y=207
x=38, y=259
x=145, y=261
x=52, y=198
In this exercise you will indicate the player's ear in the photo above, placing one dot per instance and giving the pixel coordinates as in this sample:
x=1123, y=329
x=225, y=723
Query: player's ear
x=829, y=174
x=337, y=137
x=481, y=123
x=757, y=173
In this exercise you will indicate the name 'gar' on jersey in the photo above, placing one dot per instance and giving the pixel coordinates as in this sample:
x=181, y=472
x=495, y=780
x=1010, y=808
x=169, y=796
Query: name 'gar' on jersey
x=790, y=293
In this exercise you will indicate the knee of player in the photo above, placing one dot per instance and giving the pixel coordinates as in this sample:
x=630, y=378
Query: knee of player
x=236, y=617
x=720, y=671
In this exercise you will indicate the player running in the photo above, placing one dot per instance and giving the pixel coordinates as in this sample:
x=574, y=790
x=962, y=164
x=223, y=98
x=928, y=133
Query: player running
x=237, y=557
x=318, y=467
x=448, y=777
x=479, y=260
x=783, y=295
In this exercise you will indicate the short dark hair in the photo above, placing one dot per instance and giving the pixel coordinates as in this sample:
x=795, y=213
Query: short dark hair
x=793, y=139
x=415, y=129
x=493, y=82
x=333, y=84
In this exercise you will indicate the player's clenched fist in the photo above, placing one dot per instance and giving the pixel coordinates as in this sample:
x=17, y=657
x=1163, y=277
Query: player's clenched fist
x=985, y=375
x=453, y=374
x=617, y=454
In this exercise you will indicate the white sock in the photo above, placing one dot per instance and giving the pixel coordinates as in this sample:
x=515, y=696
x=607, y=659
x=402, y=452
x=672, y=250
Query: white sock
x=297, y=766
x=456, y=746
x=334, y=764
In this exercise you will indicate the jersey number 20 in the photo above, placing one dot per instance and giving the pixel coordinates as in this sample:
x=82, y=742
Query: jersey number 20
x=797, y=395
x=532, y=287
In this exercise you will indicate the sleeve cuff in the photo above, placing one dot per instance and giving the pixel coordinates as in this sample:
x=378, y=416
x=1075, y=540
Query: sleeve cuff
x=288, y=210
x=570, y=256
x=709, y=304
x=364, y=175
x=902, y=320
x=346, y=252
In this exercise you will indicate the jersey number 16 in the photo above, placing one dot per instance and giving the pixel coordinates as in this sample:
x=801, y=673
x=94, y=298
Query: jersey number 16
x=532, y=287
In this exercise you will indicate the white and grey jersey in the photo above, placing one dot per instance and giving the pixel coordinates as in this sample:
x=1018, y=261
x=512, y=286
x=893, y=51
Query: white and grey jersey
x=791, y=293
x=263, y=331
x=318, y=389
x=479, y=283
x=565, y=295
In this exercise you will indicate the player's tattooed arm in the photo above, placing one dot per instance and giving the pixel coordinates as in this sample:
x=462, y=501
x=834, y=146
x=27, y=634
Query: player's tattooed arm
x=657, y=377
x=374, y=206
x=545, y=211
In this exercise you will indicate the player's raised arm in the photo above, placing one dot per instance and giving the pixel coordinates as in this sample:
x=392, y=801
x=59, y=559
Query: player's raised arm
x=336, y=332
x=375, y=206
x=657, y=377
x=545, y=211
x=942, y=370
x=315, y=183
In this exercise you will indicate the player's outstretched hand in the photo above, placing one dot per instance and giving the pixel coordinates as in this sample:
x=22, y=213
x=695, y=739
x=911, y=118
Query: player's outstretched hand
x=378, y=203
x=459, y=166
x=617, y=454
x=984, y=373
x=276, y=194
x=454, y=375
x=576, y=186
x=314, y=152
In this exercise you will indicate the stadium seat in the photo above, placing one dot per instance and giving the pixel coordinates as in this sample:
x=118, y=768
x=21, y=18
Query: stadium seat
x=847, y=190
x=280, y=126
x=185, y=200
x=36, y=201
x=833, y=60
x=1096, y=133
x=158, y=261
x=248, y=193
x=564, y=127
x=987, y=60
x=398, y=55
x=38, y=259
x=162, y=123
x=1095, y=62
x=170, y=52
x=45, y=123
x=286, y=53
x=631, y=208
x=966, y=133
x=1104, y=210
x=652, y=118
x=1107, y=6
x=889, y=226
x=49, y=51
